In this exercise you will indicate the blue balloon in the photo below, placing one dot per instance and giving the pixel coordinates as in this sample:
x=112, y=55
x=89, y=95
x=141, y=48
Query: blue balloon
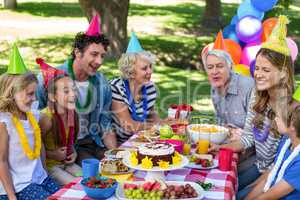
x=246, y=9
x=264, y=5
x=234, y=20
x=229, y=33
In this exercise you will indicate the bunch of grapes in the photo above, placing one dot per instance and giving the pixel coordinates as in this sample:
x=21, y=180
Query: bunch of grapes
x=179, y=192
x=142, y=194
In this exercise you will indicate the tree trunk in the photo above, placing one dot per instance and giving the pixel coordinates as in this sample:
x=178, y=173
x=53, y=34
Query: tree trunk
x=212, y=14
x=113, y=21
x=10, y=4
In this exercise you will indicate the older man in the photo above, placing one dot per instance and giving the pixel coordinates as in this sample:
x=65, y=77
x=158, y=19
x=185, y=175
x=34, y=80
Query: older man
x=230, y=93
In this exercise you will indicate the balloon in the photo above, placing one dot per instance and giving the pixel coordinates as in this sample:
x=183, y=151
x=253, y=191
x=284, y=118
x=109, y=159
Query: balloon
x=242, y=69
x=229, y=32
x=264, y=5
x=246, y=9
x=206, y=49
x=234, y=20
x=249, y=29
x=293, y=47
x=234, y=49
x=268, y=26
x=252, y=68
x=249, y=53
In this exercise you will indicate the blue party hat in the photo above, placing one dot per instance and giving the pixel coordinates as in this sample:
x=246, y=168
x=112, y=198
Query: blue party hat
x=134, y=45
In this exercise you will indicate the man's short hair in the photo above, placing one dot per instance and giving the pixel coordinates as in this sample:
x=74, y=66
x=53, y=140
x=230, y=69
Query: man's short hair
x=82, y=41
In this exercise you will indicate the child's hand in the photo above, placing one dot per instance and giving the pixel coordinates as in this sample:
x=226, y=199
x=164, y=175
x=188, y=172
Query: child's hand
x=60, y=154
x=71, y=158
x=214, y=148
x=235, y=134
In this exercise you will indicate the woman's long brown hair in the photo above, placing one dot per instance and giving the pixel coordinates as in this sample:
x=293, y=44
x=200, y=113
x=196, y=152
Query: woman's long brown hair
x=283, y=63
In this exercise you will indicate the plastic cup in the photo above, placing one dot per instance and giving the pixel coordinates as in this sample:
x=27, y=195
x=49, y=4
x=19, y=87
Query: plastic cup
x=202, y=147
x=186, y=149
x=225, y=159
x=90, y=167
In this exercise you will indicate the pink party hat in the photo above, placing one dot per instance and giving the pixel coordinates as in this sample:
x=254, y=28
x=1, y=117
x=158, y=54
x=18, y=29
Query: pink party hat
x=94, y=28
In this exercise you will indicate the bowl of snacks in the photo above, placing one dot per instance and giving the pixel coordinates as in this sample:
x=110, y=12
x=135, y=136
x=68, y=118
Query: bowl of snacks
x=214, y=133
x=99, y=187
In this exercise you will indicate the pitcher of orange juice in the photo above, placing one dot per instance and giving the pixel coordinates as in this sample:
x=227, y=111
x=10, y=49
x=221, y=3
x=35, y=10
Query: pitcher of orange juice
x=202, y=146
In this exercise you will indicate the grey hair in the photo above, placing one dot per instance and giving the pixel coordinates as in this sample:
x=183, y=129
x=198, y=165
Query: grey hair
x=127, y=61
x=220, y=54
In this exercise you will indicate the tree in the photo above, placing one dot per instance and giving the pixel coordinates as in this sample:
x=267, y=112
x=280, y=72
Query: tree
x=10, y=4
x=212, y=14
x=113, y=21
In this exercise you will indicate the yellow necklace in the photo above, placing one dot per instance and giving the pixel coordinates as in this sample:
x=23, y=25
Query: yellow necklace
x=31, y=154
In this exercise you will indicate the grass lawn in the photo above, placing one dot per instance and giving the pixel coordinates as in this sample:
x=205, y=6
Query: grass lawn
x=173, y=32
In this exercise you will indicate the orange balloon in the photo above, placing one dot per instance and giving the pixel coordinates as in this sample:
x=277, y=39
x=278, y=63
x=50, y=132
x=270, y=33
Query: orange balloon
x=234, y=49
x=268, y=26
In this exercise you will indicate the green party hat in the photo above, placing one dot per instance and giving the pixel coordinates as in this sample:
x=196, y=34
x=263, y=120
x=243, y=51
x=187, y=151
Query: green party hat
x=296, y=94
x=16, y=63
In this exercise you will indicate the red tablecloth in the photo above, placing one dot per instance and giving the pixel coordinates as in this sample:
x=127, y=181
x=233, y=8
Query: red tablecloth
x=224, y=183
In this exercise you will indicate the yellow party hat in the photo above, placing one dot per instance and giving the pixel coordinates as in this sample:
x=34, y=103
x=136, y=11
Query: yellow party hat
x=277, y=40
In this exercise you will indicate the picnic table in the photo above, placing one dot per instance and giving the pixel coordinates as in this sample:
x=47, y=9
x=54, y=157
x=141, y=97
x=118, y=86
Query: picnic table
x=224, y=182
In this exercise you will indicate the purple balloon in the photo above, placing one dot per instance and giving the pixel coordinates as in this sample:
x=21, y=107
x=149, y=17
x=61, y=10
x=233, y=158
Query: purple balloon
x=252, y=68
x=249, y=29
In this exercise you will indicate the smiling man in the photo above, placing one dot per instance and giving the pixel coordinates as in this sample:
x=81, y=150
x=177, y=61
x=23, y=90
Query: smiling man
x=94, y=94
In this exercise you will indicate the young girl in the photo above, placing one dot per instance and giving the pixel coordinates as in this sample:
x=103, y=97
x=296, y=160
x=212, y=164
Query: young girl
x=283, y=181
x=60, y=125
x=21, y=171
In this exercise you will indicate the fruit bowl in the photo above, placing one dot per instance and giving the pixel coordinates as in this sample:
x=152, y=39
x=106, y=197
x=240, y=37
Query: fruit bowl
x=214, y=133
x=99, y=187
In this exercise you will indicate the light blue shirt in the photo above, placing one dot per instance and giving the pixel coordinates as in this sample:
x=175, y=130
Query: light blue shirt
x=232, y=108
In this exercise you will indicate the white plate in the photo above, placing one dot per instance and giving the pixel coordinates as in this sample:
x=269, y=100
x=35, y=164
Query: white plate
x=184, y=162
x=198, y=166
x=120, y=192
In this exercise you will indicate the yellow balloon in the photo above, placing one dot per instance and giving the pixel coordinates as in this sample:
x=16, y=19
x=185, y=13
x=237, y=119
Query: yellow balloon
x=242, y=69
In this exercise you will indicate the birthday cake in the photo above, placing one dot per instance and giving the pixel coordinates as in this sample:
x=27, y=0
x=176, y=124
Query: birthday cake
x=156, y=151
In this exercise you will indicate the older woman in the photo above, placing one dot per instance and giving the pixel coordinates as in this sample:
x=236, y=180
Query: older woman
x=274, y=79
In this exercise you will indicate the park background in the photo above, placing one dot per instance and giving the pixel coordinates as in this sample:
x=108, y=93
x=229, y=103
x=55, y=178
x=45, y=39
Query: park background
x=174, y=30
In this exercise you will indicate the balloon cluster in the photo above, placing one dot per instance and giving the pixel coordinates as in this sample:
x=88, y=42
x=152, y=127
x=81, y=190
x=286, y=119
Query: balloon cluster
x=245, y=33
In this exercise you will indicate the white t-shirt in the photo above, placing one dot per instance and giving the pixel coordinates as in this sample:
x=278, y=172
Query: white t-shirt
x=23, y=170
x=82, y=91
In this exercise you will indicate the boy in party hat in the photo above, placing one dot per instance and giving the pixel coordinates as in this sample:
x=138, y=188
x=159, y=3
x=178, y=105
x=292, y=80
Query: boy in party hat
x=134, y=93
x=94, y=92
x=60, y=124
x=22, y=173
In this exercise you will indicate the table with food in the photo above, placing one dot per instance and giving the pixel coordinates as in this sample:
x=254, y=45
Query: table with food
x=164, y=162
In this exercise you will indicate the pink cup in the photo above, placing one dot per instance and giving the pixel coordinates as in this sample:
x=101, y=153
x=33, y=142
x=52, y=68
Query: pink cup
x=178, y=144
x=225, y=159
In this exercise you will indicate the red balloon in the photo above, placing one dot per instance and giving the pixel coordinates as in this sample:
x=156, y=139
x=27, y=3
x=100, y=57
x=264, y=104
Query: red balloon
x=234, y=49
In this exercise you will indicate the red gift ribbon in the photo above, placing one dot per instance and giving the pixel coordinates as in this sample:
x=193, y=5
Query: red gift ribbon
x=181, y=107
